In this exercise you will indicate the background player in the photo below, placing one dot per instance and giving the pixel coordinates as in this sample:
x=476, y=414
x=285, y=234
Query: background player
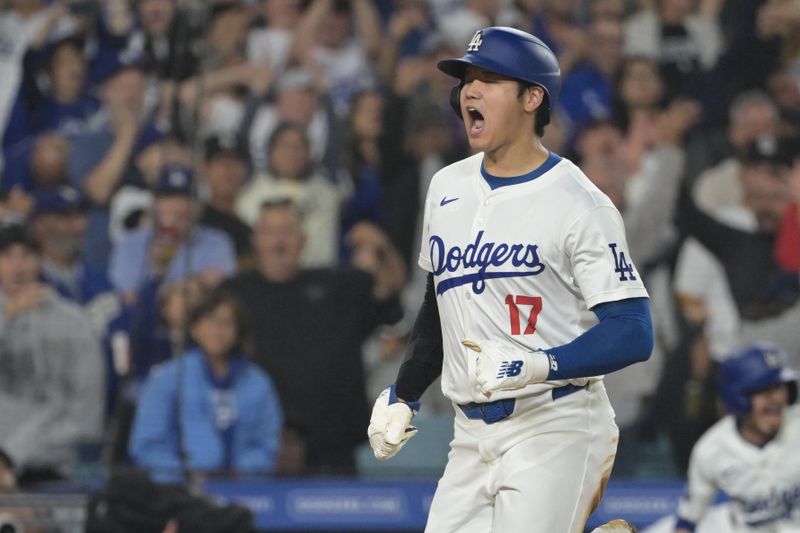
x=751, y=454
x=519, y=245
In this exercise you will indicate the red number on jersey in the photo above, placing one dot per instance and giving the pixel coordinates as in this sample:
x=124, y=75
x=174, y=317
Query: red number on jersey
x=514, y=302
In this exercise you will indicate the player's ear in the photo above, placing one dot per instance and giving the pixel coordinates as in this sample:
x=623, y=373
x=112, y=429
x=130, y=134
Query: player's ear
x=532, y=98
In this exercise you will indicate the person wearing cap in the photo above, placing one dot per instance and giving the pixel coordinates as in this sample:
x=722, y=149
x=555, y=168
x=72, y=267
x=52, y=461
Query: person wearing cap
x=104, y=159
x=752, y=115
x=58, y=222
x=744, y=244
x=173, y=247
x=51, y=368
x=225, y=173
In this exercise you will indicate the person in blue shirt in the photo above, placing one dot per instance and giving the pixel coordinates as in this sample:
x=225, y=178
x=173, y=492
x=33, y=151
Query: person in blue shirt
x=588, y=92
x=159, y=251
x=212, y=405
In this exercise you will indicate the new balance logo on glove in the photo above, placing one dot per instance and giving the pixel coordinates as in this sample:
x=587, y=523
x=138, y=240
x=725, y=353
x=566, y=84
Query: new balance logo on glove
x=509, y=369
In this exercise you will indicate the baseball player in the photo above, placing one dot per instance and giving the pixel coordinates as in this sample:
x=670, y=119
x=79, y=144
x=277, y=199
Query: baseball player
x=751, y=454
x=519, y=244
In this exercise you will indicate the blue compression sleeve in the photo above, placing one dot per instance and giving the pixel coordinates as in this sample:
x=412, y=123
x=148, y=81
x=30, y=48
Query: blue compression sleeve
x=623, y=336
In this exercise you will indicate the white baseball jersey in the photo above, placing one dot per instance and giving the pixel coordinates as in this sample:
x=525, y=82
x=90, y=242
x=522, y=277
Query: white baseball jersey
x=763, y=483
x=521, y=262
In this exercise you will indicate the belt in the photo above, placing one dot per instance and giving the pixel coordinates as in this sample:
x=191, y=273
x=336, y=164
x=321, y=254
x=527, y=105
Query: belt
x=492, y=412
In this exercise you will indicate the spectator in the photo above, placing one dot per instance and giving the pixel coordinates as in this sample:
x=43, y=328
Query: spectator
x=132, y=202
x=51, y=373
x=556, y=23
x=63, y=103
x=640, y=93
x=293, y=308
x=752, y=116
x=27, y=24
x=15, y=206
x=342, y=39
x=461, y=24
x=103, y=160
x=45, y=163
x=362, y=165
x=58, y=223
x=225, y=174
x=158, y=321
x=760, y=288
x=587, y=92
x=785, y=90
x=273, y=43
x=701, y=282
x=292, y=174
x=212, y=404
x=172, y=248
x=409, y=25
x=299, y=98
x=158, y=39
x=682, y=40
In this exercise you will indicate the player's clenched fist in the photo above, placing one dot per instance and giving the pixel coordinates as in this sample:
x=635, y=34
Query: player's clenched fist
x=500, y=366
x=390, y=425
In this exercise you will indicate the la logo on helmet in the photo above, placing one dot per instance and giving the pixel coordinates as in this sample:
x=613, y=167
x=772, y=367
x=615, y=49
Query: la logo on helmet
x=476, y=42
x=772, y=359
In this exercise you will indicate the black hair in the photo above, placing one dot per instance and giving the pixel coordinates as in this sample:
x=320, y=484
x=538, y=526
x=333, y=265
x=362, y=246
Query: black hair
x=13, y=234
x=71, y=41
x=277, y=133
x=210, y=302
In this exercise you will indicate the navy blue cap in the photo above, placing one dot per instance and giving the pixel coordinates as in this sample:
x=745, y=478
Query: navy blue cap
x=513, y=53
x=59, y=200
x=108, y=63
x=175, y=180
x=781, y=151
x=225, y=145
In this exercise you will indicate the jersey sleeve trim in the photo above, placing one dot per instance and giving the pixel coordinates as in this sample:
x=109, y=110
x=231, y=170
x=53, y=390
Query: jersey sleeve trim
x=614, y=295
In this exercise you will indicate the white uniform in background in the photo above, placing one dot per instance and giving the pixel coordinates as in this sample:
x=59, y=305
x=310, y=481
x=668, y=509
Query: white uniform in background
x=763, y=483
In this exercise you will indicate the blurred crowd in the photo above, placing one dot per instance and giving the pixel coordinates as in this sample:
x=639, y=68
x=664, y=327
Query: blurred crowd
x=211, y=214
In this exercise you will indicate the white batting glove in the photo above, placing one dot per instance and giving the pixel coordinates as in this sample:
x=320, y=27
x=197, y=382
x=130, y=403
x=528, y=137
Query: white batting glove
x=500, y=366
x=390, y=425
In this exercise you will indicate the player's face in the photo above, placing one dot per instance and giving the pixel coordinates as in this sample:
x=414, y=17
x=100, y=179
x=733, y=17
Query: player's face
x=492, y=110
x=768, y=407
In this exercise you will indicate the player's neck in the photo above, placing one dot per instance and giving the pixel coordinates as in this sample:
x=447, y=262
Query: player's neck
x=515, y=159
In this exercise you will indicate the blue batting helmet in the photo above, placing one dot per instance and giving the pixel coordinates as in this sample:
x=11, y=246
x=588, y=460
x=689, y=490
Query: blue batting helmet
x=510, y=52
x=751, y=369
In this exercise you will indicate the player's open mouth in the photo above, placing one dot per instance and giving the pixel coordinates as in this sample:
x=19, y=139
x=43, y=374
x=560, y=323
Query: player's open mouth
x=476, y=121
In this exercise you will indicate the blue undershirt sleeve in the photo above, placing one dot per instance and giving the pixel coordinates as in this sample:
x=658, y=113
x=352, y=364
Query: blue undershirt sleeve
x=623, y=336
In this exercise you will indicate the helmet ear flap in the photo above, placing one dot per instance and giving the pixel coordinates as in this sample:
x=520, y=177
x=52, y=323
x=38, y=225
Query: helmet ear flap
x=455, y=99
